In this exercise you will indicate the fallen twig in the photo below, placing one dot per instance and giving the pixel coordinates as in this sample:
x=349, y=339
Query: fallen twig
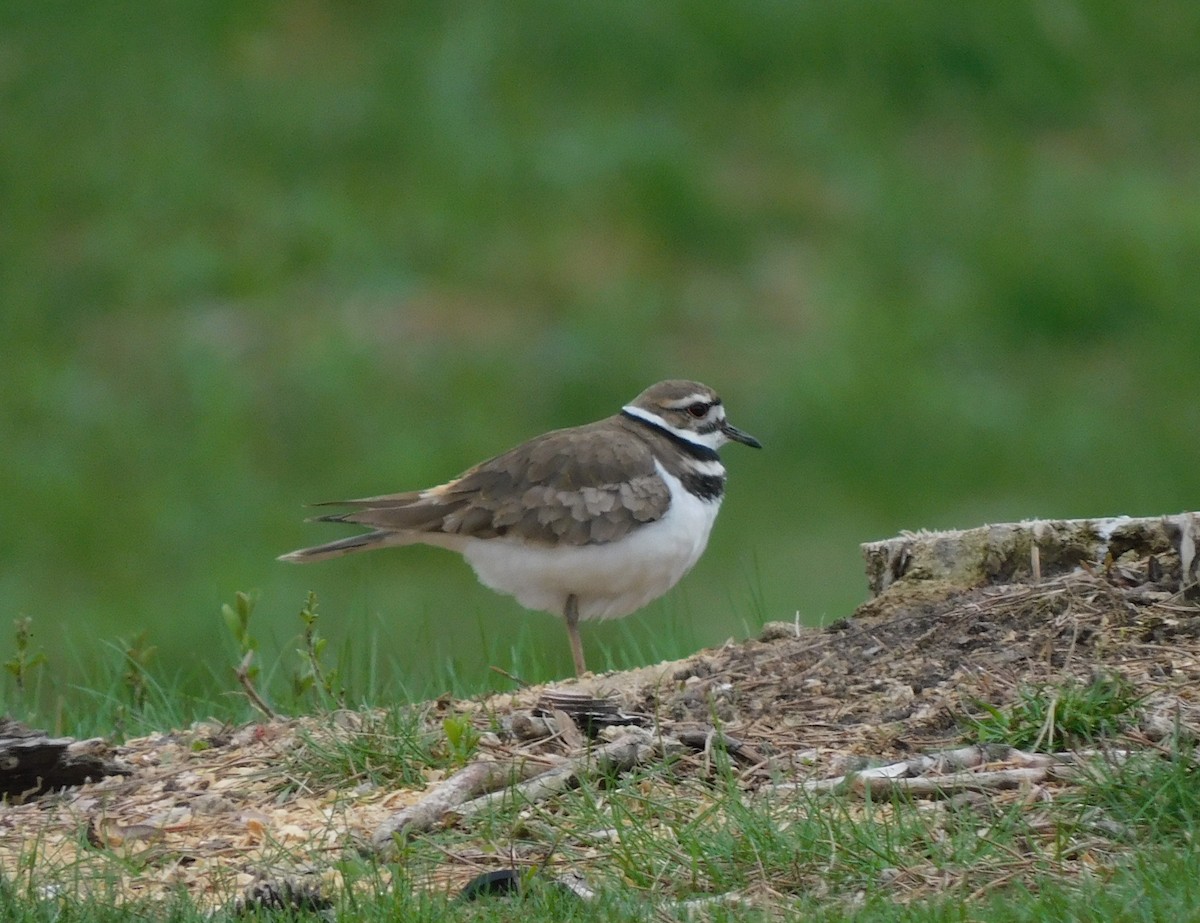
x=489, y=782
x=954, y=781
x=634, y=747
x=480, y=776
x=951, y=768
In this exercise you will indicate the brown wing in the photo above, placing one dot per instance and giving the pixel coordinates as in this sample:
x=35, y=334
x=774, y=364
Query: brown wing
x=578, y=486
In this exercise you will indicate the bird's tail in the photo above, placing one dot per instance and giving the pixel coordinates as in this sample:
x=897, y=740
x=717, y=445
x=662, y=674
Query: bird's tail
x=377, y=539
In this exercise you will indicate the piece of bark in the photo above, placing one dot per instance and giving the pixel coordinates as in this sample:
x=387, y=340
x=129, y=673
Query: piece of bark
x=1161, y=550
x=568, y=730
x=33, y=763
x=705, y=738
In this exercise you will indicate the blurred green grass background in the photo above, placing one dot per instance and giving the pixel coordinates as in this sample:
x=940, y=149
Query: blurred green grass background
x=942, y=259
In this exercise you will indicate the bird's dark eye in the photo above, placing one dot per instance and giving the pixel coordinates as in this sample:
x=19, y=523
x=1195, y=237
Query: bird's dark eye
x=698, y=409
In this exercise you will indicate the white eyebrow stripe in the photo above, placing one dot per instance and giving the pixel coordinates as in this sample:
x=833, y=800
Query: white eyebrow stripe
x=692, y=399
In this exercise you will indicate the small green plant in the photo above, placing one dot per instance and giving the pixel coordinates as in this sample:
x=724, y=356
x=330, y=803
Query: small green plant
x=313, y=675
x=24, y=659
x=461, y=739
x=138, y=655
x=1050, y=718
x=237, y=620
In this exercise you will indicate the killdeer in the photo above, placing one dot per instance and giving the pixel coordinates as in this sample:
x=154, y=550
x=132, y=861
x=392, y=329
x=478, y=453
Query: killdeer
x=590, y=522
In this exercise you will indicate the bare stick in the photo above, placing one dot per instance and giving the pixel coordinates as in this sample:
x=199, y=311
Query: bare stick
x=1030, y=769
x=955, y=781
x=947, y=764
x=480, y=776
x=633, y=748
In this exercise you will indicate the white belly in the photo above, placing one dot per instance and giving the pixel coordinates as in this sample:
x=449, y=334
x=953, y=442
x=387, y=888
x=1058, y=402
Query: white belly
x=609, y=580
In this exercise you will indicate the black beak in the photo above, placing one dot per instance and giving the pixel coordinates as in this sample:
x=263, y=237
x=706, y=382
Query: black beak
x=735, y=434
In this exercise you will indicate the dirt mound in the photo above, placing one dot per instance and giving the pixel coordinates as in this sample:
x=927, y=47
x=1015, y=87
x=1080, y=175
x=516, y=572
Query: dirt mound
x=216, y=811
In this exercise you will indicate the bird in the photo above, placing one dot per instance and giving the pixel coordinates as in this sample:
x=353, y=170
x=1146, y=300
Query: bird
x=588, y=522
